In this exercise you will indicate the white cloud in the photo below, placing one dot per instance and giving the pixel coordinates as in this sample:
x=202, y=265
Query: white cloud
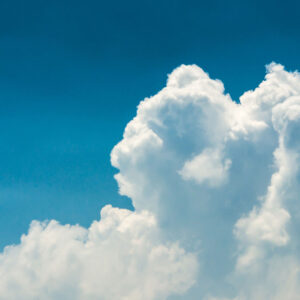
x=214, y=184
x=119, y=257
x=243, y=159
x=207, y=167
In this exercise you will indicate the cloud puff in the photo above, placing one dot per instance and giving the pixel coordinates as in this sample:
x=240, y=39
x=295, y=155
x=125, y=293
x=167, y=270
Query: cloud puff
x=119, y=257
x=215, y=186
x=206, y=167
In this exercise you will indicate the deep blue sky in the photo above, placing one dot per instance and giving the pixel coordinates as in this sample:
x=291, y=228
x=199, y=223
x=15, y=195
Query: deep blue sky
x=73, y=72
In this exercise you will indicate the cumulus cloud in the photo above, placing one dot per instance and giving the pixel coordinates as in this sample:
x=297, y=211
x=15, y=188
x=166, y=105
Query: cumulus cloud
x=215, y=186
x=224, y=176
x=119, y=257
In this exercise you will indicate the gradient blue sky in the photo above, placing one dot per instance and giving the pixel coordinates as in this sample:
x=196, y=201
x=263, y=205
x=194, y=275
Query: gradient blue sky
x=73, y=72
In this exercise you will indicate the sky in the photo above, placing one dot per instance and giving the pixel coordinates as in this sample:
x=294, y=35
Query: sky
x=72, y=74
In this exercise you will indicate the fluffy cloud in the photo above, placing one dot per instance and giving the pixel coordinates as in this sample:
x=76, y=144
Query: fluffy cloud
x=224, y=176
x=119, y=257
x=206, y=167
x=215, y=186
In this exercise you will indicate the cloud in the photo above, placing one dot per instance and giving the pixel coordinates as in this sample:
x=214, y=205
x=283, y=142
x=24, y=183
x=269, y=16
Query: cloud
x=215, y=186
x=119, y=257
x=224, y=176
x=206, y=167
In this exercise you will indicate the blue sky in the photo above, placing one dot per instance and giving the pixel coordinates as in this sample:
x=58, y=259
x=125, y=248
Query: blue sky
x=209, y=187
x=73, y=72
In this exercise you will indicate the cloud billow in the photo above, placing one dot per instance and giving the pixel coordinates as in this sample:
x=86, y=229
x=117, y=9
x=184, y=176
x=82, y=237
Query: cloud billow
x=215, y=187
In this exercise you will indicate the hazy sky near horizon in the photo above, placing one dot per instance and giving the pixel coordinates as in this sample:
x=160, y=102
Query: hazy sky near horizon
x=73, y=72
